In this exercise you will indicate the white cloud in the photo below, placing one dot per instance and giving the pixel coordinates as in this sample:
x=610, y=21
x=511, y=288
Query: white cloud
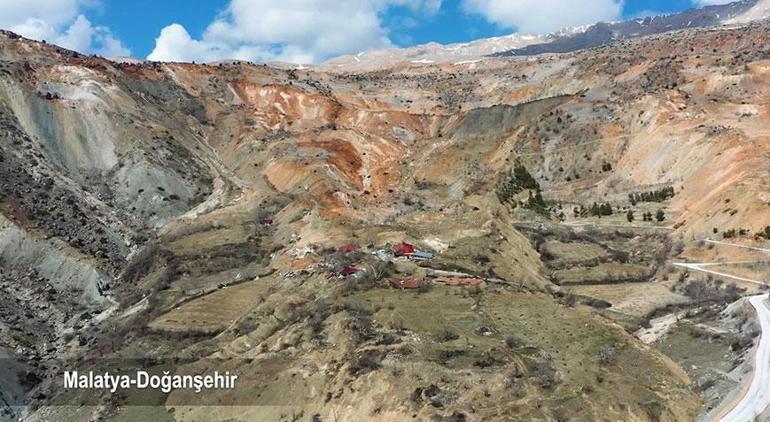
x=77, y=36
x=109, y=46
x=542, y=16
x=300, y=31
x=51, y=13
x=60, y=22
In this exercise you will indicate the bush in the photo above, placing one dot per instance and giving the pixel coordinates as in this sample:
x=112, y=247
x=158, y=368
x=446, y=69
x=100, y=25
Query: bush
x=544, y=371
x=700, y=291
x=448, y=335
x=361, y=323
x=514, y=342
x=366, y=362
x=606, y=355
x=318, y=315
x=425, y=286
x=569, y=300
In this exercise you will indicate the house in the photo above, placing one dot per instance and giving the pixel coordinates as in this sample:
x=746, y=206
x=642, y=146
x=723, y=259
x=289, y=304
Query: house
x=348, y=248
x=406, y=283
x=403, y=249
x=306, y=263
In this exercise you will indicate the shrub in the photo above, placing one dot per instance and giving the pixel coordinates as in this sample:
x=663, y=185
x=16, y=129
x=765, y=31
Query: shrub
x=318, y=315
x=514, y=342
x=425, y=286
x=448, y=335
x=361, y=323
x=569, y=300
x=544, y=371
x=606, y=355
x=366, y=362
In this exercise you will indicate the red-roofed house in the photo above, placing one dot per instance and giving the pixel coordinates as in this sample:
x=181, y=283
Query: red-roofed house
x=405, y=283
x=349, y=248
x=403, y=249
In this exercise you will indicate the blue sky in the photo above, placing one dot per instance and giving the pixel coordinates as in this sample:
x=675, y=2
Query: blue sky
x=297, y=30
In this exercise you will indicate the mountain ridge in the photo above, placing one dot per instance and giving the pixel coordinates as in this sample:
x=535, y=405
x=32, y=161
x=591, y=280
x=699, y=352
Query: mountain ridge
x=562, y=41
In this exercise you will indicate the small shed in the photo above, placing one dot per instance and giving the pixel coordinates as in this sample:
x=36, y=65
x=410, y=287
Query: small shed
x=422, y=256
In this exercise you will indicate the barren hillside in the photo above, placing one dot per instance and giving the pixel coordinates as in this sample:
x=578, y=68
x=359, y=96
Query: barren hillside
x=253, y=216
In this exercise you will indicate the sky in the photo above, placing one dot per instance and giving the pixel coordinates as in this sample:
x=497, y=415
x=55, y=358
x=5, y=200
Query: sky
x=299, y=31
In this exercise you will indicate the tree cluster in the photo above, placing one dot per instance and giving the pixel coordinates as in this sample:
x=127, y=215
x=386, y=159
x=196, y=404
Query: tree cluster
x=514, y=182
x=599, y=210
x=652, y=196
x=660, y=215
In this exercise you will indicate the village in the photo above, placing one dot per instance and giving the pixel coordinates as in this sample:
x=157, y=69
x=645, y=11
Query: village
x=400, y=266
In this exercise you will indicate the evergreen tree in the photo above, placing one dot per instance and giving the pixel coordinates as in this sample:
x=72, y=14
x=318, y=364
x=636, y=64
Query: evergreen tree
x=524, y=178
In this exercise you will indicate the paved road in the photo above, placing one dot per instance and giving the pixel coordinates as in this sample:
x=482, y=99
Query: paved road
x=757, y=398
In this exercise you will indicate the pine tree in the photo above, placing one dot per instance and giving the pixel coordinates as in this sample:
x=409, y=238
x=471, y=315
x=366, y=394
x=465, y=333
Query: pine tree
x=660, y=215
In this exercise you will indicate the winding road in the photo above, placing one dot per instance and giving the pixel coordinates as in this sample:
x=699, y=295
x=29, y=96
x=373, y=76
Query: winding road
x=757, y=398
